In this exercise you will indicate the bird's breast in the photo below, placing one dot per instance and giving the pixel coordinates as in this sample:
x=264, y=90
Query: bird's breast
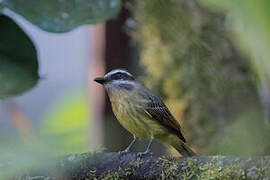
x=130, y=110
x=127, y=109
x=124, y=105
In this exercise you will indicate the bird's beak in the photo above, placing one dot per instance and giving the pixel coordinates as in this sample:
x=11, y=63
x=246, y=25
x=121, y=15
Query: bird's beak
x=100, y=80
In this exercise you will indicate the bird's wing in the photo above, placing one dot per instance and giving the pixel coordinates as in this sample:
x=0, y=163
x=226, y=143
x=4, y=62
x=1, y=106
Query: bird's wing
x=155, y=108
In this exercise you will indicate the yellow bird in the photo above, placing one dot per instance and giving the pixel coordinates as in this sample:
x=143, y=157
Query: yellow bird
x=141, y=112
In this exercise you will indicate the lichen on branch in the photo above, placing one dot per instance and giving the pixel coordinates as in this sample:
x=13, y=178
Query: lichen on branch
x=131, y=166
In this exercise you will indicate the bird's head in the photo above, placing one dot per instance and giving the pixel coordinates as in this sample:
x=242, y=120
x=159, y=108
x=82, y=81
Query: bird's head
x=115, y=75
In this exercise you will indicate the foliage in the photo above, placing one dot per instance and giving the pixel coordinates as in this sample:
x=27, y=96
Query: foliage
x=188, y=53
x=250, y=25
x=247, y=136
x=18, y=56
x=65, y=126
x=130, y=166
x=65, y=130
x=250, y=22
x=18, y=59
x=64, y=15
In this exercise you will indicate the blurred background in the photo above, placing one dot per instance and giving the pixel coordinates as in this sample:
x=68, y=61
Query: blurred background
x=208, y=61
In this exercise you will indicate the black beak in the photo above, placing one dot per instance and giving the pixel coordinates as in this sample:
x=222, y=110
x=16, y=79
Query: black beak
x=100, y=80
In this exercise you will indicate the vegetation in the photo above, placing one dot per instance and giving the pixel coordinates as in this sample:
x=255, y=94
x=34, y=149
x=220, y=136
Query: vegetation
x=19, y=65
x=208, y=59
x=130, y=166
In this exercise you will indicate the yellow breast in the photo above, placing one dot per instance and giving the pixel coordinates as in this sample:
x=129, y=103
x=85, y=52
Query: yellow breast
x=130, y=112
x=127, y=109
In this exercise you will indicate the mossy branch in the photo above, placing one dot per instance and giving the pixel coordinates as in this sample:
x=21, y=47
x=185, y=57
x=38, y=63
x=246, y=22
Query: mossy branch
x=130, y=166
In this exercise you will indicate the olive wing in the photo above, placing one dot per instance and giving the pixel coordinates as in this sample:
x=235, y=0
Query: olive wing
x=155, y=108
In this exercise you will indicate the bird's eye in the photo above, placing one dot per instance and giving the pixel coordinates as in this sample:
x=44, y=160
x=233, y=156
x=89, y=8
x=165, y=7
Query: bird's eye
x=117, y=76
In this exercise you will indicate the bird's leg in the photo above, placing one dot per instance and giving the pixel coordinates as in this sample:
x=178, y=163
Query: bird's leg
x=147, y=151
x=129, y=146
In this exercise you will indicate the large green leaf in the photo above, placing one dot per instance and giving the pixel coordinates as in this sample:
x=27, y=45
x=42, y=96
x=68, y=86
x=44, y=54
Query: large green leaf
x=64, y=15
x=18, y=59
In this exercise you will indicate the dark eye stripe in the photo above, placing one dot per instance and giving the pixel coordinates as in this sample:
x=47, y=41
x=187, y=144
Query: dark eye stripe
x=117, y=75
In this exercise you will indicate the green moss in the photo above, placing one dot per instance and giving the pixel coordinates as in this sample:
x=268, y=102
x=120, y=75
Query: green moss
x=192, y=169
x=201, y=168
x=119, y=174
x=212, y=170
x=169, y=168
x=90, y=166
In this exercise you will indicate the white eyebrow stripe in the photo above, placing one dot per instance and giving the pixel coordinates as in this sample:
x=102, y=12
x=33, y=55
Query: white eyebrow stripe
x=117, y=71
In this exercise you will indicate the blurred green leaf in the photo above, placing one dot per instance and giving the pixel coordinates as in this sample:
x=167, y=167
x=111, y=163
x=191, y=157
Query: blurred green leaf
x=18, y=59
x=66, y=125
x=64, y=15
x=250, y=22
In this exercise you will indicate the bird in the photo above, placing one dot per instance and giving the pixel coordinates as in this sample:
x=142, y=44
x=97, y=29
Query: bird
x=142, y=113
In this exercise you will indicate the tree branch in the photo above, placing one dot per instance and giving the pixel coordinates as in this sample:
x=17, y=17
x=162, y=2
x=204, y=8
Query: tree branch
x=130, y=166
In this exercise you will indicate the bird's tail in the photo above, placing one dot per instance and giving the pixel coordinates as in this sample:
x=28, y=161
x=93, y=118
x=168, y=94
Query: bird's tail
x=183, y=149
x=179, y=145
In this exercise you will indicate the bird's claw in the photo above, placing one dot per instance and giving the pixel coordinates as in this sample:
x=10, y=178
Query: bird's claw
x=140, y=154
x=123, y=152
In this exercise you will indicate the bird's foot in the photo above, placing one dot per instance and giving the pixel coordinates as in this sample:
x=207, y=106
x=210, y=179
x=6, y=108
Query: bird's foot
x=140, y=154
x=123, y=152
